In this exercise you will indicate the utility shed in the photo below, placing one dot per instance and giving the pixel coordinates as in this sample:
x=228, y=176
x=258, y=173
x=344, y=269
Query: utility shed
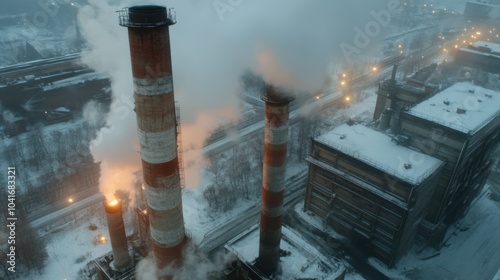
x=461, y=126
x=370, y=188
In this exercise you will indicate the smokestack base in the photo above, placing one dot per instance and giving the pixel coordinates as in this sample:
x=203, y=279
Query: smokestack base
x=166, y=256
x=276, y=96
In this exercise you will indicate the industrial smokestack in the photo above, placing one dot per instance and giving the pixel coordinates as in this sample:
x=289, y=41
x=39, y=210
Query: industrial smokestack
x=394, y=72
x=273, y=181
x=148, y=31
x=116, y=228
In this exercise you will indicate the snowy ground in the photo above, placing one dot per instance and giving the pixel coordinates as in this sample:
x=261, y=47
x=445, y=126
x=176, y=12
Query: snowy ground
x=472, y=249
x=71, y=245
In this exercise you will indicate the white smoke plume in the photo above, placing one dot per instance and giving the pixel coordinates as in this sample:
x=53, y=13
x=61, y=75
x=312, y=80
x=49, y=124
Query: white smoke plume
x=93, y=113
x=195, y=265
x=116, y=145
x=289, y=42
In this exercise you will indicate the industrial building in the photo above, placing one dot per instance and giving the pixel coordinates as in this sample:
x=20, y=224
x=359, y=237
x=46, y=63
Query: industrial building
x=365, y=186
x=482, y=10
x=460, y=125
x=480, y=54
x=382, y=188
x=393, y=95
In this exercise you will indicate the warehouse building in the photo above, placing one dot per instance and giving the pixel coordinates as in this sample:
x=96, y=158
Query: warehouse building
x=480, y=54
x=369, y=189
x=382, y=190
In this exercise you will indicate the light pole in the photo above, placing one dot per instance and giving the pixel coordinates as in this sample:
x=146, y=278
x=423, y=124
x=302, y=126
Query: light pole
x=70, y=200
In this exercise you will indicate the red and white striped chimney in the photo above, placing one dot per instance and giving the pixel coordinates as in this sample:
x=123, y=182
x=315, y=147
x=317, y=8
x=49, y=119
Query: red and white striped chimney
x=117, y=236
x=273, y=181
x=148, y=31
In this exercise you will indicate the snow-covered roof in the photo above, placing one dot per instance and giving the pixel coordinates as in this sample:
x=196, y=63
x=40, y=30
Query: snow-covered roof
x=463, y=107
x=495, y=48
x=478, y=48
x=303, y=262
x=378, y=150
x=82, y=78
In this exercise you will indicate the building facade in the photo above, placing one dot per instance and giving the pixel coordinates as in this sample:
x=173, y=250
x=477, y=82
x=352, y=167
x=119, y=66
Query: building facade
x=380, y=190
x=370, y=193
x=461, y=126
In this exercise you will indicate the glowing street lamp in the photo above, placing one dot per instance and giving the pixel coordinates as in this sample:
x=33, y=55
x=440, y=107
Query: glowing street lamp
x=70, y=200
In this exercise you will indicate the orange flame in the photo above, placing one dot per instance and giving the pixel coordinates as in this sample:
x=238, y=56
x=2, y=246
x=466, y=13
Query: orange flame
x=113, y=202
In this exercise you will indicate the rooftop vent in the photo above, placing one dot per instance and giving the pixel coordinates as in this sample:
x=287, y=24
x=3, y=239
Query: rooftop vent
x=343, y=136
x=446, y=102
x=471, y=91
x=407, y=165
x=401, y=139
x=488, y=95
x=461, y=111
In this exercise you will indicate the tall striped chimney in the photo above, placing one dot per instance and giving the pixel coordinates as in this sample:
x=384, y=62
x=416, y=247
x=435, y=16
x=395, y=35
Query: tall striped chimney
x=148, y=31
x=273, y=181
x=117, y=236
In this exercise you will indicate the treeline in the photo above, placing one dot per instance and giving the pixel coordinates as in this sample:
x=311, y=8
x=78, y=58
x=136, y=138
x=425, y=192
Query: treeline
x=30, y=252
x=236, y=174
x=51, y=166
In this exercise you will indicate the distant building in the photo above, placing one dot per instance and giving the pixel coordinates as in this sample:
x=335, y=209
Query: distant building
x=379, y=191
x=480, y=54
x=482, y=10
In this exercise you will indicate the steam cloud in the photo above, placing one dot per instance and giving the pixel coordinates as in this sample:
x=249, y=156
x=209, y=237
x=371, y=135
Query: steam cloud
x=116, y=145
x=289, y=42
x=195, y=265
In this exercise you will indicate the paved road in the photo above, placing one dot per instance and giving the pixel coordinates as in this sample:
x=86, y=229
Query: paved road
x=66, y=211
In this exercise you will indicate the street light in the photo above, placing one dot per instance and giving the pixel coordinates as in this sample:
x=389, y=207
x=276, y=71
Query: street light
x=70, y=200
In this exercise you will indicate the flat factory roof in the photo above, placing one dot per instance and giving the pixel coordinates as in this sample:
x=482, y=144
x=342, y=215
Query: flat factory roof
x=495, y=48
x=478, y=45
x=463, y=107
x=378, y=150
x=303, y=261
